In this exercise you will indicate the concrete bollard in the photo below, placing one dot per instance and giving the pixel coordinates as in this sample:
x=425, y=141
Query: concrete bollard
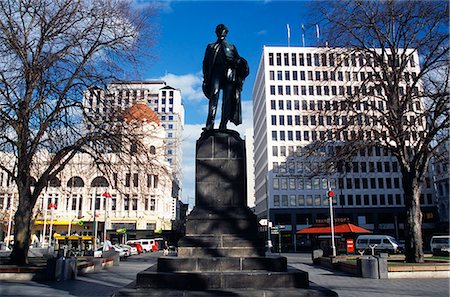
x=382, y=266
x=316, y=254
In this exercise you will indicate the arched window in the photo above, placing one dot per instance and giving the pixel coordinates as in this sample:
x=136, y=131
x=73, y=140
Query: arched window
x=153, y=150
x=54, y=182
x=75, y=182
x=99, y=181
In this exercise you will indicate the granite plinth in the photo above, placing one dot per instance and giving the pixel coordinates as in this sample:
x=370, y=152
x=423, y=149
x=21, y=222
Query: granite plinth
x=222, y=253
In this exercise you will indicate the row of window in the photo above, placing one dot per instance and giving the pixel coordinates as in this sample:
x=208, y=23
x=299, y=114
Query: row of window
x=338, y=136
x=325, y=75
x=343, y=183
x=353, y=167
x=332, y=59
x=334, y=90
x=333, y=105
x=346, y=200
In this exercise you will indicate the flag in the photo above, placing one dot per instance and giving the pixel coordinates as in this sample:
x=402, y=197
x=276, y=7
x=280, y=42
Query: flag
x=317, y=31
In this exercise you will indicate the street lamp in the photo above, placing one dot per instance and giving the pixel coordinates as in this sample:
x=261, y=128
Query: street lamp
x=330, y=195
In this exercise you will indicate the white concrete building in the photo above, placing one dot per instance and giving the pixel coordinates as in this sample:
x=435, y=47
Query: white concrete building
x=293, y=85
x=164, y=100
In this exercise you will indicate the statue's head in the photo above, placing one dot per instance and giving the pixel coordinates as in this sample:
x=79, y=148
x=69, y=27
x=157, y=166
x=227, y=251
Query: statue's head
x=221, y=31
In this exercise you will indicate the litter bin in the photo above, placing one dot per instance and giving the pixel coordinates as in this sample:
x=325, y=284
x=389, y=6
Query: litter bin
x=369, y=267
x=60, y=269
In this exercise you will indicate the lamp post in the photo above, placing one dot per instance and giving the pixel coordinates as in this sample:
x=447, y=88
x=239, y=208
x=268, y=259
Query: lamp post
x=106, y=195
x=10, y=220
x=330, y=195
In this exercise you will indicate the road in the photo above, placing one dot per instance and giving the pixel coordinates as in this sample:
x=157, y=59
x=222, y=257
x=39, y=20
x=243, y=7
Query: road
x=106, y=282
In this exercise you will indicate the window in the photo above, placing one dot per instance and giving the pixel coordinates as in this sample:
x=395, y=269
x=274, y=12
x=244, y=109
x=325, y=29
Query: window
x=274, y=120
x=272, y=90
x=271, y=59
x=301, y=58
x=279, y=75
x=308, y=60
x=274, y=135
x=126, y=202
x=287, y=75
x=276, y=200
x=273, y=105
x=278, y=59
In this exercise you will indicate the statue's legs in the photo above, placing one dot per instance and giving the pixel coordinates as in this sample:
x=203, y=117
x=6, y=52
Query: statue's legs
x=227, y=105
x=212, y=109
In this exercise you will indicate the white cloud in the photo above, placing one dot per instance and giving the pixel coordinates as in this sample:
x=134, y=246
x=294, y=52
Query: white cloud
x=190, y=85
x=191, y=134
x=262, y=32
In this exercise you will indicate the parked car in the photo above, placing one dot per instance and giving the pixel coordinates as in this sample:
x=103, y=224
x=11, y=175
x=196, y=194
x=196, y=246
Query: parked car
x=132, y=250
x=98, y=253
x=380, y=243
x=138, y=247
x=147, y=244
x=440, y=245
x=121, y=251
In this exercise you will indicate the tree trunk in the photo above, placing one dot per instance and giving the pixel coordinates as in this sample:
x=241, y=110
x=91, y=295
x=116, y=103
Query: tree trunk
x=413, y=226
x=22, y=230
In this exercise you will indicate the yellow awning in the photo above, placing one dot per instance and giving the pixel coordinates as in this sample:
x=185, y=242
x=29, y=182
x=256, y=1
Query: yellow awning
x=56, y=223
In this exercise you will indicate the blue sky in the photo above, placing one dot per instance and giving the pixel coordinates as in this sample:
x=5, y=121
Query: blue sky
x=184, y=28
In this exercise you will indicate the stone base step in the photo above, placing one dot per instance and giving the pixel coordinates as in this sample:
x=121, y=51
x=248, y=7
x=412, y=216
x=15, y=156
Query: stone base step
x=198, y=281
x=179, y=264
x=312, y=291
x=220, y=252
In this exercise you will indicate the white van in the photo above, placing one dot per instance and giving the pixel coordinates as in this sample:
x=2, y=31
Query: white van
x=382, y=243
x=147, y=244
x=440, y=244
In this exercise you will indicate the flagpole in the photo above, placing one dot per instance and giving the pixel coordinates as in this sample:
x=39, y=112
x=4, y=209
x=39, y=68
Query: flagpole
x=288, y=34
x=303, y=35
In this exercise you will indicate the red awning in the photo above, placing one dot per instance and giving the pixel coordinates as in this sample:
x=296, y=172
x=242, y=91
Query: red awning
x=338, y=229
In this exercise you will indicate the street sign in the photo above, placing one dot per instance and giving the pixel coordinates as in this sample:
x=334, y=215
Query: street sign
x=331, y=193
x=263, y=222
x=274, y=231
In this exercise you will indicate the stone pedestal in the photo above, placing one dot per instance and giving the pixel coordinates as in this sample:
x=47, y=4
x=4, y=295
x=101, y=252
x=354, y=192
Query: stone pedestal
x=221, y=252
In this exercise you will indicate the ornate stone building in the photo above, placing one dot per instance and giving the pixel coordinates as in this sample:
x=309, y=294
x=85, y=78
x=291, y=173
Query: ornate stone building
x=131, y=200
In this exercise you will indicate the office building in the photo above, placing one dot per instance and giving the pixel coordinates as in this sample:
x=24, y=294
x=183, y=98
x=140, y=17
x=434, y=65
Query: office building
x=294, y=88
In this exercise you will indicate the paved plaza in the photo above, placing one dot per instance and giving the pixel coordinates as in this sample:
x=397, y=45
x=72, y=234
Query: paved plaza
x=106, y=282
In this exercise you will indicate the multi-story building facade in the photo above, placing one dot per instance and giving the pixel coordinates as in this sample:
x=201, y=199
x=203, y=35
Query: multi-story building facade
x=88, y=199
x=293, y=86
x=440, y=163
x=164, y=100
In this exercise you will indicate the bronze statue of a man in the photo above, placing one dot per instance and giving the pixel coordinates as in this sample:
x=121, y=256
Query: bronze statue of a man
x=223, y=69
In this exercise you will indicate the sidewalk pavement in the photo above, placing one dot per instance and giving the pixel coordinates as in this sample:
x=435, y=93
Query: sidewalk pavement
x=347, y=285
x=97, y=284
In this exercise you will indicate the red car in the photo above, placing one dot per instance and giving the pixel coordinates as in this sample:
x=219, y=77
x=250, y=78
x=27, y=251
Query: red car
x=139, y=248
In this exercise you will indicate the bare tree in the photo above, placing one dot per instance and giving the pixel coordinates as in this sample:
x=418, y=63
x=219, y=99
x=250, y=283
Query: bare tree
x=50, y=53
x=390, y=36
